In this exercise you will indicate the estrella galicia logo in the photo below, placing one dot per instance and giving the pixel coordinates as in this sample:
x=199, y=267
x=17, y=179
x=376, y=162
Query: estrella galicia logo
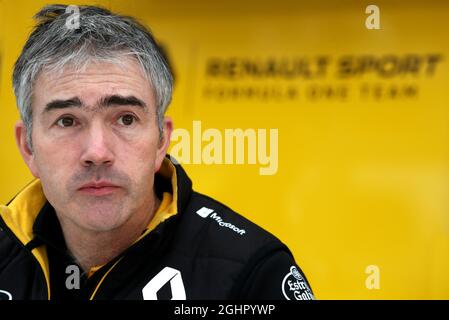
x=5, y=295
x=294, y=286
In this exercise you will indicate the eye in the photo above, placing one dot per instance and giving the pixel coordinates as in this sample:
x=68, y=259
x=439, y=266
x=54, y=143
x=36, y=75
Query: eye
x=127, y=120
x=65, y=122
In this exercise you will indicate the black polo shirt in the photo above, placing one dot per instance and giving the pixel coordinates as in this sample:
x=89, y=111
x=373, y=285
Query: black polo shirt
x=68, y=281
x=48, y=231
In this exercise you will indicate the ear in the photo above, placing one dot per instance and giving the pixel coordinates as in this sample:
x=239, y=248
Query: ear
x=164, y=142
x=25, y=151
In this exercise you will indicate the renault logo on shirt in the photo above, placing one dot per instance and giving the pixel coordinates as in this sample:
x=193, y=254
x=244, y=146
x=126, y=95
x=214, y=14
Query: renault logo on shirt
x=5, y=295
x=165, y=276
x=209, y=213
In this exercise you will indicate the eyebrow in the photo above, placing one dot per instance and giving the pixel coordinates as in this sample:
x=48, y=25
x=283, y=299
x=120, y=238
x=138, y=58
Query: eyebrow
x=61, y=104
x=107, y=101
x=118, y=100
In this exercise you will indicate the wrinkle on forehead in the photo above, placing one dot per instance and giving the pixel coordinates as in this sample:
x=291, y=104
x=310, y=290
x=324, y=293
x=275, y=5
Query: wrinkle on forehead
x=127, y=67
x=123, y=79
x=118, y=59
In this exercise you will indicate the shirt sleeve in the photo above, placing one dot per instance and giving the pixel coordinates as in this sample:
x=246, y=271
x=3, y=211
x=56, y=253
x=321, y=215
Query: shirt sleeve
x=277, y=277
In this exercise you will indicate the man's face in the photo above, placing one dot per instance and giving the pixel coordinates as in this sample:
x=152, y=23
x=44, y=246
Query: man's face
x=96, y=143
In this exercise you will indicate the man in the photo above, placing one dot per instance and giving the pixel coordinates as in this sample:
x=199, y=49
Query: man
x=110, y=216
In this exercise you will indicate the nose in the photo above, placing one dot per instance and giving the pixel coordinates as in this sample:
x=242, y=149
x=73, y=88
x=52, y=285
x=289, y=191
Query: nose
x=97, y=146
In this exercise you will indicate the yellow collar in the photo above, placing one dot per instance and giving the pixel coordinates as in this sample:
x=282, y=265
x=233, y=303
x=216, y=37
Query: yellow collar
x=21, y=213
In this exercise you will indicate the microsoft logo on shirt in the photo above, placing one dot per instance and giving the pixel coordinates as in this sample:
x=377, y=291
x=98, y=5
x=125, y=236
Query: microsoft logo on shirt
x=209, y=213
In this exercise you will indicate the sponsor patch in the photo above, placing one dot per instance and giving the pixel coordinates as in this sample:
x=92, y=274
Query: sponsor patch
x=294, y=286
x=169, y=276
x=5, y=295
x=210, y=213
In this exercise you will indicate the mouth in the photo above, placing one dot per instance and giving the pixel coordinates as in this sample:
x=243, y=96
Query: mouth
x=98, y=189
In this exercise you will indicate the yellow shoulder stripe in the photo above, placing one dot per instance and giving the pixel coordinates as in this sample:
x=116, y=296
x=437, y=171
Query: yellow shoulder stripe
x=20, y=215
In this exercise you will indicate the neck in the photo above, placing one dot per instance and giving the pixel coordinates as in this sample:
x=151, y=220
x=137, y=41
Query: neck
x=92, y=248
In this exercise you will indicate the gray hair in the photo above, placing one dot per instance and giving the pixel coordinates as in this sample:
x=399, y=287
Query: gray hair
x=100, y=36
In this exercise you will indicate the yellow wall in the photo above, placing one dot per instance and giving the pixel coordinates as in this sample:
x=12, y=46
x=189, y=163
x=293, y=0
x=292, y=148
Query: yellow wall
x=362, y=179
